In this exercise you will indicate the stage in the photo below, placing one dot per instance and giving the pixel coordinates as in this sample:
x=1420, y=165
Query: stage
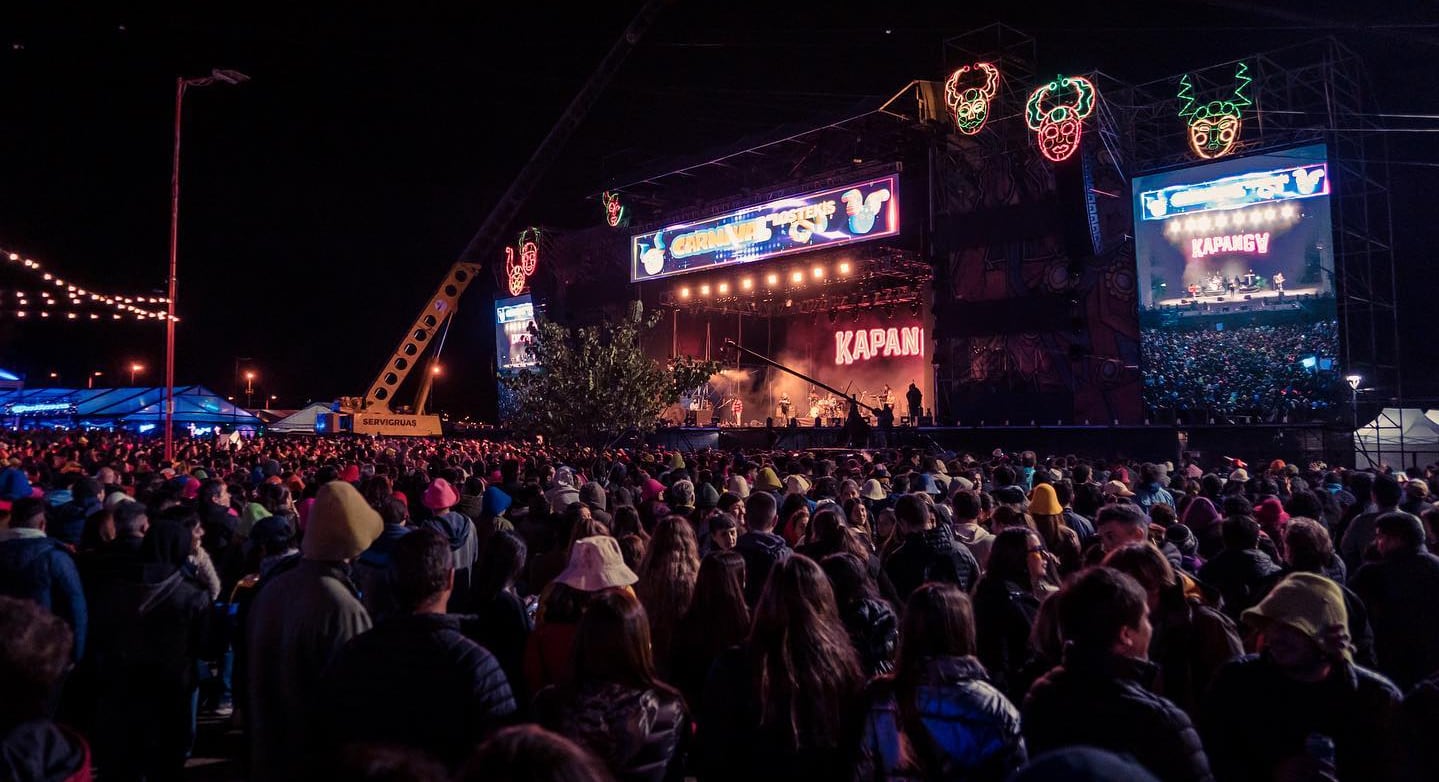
x=1254, y=443
x=1240, y=301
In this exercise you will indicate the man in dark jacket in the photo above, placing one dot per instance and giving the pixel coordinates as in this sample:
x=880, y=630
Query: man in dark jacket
x=928, y=552
x=67, y=521
x=372, y=572
x=760, y=547
x=1240, y=569
x=218, y=523
x=1098, y=696
x=36, y=567
x=415, y=679
x=1120, y=524
x=1263, y=710
x=1358, y=535
x=1399, y=592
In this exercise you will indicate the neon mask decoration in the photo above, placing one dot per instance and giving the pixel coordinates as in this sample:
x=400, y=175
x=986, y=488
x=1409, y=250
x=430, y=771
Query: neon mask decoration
x=970, y=105
x=1059, y=126
x=519, y=268
x=1214, y=127
x=614, y=210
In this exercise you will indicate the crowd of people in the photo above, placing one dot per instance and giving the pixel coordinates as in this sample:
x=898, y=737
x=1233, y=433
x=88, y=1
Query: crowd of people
x=464, y=609
x=1252, y=371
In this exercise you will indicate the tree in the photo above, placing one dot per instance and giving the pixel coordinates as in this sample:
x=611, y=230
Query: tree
x=596, y=380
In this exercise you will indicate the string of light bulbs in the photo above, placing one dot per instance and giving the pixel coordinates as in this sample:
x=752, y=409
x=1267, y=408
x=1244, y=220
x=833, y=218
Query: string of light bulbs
x=122, y=306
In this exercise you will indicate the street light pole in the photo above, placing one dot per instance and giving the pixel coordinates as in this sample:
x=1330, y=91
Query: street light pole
x=228, y=77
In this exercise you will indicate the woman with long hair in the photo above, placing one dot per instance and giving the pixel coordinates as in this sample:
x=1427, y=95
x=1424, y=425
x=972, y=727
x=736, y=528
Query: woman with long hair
x=717, y=619
x=794, y=519
x=502, y=622
x=1018, y=577
x=857, y=515
x=871, y=622
x=1048, y=517
x=614, y=704
x=937, y=716
x=596, y=567
x=667, y=580
x=785, y=704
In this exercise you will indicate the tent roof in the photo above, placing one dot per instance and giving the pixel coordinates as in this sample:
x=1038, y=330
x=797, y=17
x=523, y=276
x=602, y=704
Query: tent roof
x=302, y=420
x=136, y=404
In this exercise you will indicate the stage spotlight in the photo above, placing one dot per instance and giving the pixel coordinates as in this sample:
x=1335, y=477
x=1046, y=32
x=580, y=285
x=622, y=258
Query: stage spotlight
x=747, y=283
x=844, y=267
x=772, y=279
x=797, y=277
x=723, y=288
x=818, y=272
x=788, y=303
x=684, y=293
x=705, y=289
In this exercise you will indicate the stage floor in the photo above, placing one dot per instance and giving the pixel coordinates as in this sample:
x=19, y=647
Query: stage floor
x=1255, y=297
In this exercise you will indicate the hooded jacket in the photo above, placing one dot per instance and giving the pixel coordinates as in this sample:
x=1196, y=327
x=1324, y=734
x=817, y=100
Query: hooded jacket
x=967, y=729
x=41, y=751
x=464, y=543
x=66, y=522
x=372, y=576
x=38, y=568
x=931, y=555
x=1399, y=593
x=761, y=552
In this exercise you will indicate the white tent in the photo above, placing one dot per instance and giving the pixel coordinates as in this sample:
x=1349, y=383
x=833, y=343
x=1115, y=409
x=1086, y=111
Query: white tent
x=1399, y=437
x=301, y=421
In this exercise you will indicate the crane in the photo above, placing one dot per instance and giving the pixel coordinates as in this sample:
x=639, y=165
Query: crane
x=374, y=414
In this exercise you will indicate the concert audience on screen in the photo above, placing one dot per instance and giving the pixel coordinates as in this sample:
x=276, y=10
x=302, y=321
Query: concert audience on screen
x=936, y=633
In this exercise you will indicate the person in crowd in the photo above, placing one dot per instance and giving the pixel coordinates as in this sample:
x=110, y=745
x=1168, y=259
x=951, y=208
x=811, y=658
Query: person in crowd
x=439, y=499
x=371, y=571
x=1240, y=569
x=1019, y=576
x=1190, y=641
x=1059, y=539
x=1356, y=540
x=36, y=567
x=722, y=536
x=529, y=753
x=967, y=529
x=297, y=622
x=501, y=621
x=794, y=515
x=1399, y=590
x=667, y=581
x=927, y=552
x=1097, y=696
x=1082, y=526
x=1276, y=715
x=760, y=547
x=1416, y=497
x=35, y=650
x=220, y=524
x=718, y=618
x=149, y=630
x=614, y=703
x=785, y=704
x=1149, y=492
x=596, y=566
x=936, y=716
x=1201, y=517
x=67, y=521
x=1308, y=549
x=414, y=679
x=872, y=624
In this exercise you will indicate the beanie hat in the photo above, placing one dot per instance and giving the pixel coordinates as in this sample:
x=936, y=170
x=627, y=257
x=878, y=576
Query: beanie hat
x=676, y=462
x=1200, y=514
x=593, y=494
x=270, y=530
x=796, y=484
x=707, y=497
x=767, y=480
x=254, y=511
x=1271, y=516
x=872, y=490
x=440, y=495
x=737, y=486
x=1306, y=602
x=1044, y=502
x=341, y=524
x=651, y=490
x=1183, y=539
x=495, y=502
x=681, y=494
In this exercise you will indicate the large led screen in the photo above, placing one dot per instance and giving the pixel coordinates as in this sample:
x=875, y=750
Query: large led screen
x=513, y=318
x=1236, y=288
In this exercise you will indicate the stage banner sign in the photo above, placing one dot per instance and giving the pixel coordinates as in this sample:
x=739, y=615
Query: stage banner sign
x=822, y=219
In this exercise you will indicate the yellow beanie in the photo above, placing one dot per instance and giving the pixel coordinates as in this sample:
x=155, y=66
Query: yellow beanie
x=1044, y=502
x=342, y=525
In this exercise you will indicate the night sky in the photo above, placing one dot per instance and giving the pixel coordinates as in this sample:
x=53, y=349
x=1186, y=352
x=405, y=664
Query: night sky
x=324, y=200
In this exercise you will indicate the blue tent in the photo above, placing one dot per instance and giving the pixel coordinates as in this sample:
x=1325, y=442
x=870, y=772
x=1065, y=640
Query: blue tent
x=127, y=408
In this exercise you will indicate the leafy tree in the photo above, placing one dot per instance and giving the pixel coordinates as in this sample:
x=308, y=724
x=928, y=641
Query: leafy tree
x=596, y=380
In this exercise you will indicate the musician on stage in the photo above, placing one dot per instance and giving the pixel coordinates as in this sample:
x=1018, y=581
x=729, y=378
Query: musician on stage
x=885, y=395
x=914, y=396
x=784, y=406
x=1279, y=282
x=738, y=411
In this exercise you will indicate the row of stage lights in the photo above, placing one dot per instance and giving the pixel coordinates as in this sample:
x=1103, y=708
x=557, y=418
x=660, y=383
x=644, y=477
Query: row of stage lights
x=1252, y=217
x=123, y=305
x=795, y=277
